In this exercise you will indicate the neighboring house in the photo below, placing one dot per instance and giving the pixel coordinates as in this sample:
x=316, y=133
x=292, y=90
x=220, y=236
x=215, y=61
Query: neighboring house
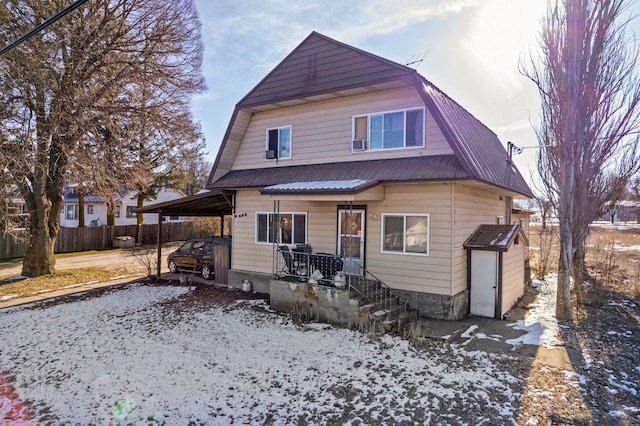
x=16, y=209
x=363, y=157
x=96, y=208
x=623, y=211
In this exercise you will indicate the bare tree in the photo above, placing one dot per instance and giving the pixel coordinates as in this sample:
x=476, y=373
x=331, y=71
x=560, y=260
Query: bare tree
x=80, y=73
x=590, y=94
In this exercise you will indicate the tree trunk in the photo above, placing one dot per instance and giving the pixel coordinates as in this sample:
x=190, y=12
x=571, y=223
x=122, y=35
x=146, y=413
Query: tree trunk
x=81, y=223
x=39, y=258
x=578, y=272
x=140, y=216
x=111, y=215
x=563, y=298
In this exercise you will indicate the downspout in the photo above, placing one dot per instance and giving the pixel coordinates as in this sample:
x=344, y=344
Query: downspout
x=499, y=287
x=159, y=242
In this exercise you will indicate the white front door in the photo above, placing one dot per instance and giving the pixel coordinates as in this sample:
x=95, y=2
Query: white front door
x=484, y=283
x=351, y=240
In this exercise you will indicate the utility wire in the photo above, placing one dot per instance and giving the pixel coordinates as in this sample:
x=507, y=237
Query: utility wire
x=43, y=25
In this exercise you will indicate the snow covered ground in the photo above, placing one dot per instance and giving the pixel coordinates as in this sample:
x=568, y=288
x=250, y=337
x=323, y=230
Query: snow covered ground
x=155, y=355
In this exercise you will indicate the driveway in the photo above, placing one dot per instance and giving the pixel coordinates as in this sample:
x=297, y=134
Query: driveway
x=108, y=259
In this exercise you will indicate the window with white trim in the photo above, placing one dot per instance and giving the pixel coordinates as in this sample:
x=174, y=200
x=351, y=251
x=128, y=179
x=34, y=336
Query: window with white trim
x=405, y=233
x=391, y=130
x=72, y=212
x=130, y=213
x=292, y=229
x=279, y=143
x=89, y=208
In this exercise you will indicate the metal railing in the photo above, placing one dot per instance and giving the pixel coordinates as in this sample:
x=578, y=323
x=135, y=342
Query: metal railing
x=309, y=267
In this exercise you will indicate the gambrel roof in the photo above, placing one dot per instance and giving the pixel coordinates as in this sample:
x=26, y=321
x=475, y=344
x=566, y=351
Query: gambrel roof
x=321, y=68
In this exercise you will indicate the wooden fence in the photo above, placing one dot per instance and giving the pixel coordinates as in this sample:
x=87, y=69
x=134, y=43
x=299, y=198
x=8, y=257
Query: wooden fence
x=99, y=237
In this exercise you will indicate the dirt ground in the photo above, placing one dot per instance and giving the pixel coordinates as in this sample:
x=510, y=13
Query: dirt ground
x=591, y=380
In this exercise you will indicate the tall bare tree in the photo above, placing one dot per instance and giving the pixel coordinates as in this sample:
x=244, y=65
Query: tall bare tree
x=590, y=92
x=77, y=75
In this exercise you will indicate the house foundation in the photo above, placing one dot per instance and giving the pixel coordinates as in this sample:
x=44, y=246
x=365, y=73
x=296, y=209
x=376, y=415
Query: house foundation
x=438, y=306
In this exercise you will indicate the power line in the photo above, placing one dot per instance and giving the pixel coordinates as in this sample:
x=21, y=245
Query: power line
x=43, y=25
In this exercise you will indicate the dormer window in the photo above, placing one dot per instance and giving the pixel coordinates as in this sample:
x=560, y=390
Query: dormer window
x=279, y=143
x=389, y=130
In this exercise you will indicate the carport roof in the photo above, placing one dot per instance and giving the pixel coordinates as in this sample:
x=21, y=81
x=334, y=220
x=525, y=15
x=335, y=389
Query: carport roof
x=209, y=203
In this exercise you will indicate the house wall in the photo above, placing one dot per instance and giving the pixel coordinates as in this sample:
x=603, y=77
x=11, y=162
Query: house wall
x=438, y=280
x=322, y=131
x=406, y=272
x=100, y=211
x=472, y=207
x=513, y=275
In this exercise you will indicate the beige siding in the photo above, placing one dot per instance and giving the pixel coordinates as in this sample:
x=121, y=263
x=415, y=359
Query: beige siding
x=251, y=256
x=473, y=207
x=512, y=275
x=431, y=274
x=321, y=132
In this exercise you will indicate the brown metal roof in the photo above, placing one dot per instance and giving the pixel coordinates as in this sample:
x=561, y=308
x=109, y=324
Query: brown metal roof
x=412, y=169
x=494, y=237
x=320, y=64
x=210, y=203
x=477, y=146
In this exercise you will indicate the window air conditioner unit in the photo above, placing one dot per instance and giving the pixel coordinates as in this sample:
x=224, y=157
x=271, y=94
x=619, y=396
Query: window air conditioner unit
x=359, y=145
x=271, y=154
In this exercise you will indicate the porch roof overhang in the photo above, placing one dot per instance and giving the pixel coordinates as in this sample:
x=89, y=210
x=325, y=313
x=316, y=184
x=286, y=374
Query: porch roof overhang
x=327, y=190
x=210, y=203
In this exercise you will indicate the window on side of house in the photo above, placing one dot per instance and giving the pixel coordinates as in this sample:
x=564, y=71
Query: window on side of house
x=130, y=213
x=89, y=208
x=72, y=212
x=279, y=143
x=292, y=229
x=391, y=130
x=406, y=233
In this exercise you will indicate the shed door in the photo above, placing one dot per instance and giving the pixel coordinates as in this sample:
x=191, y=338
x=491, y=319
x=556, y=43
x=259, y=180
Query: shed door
x=484, y=283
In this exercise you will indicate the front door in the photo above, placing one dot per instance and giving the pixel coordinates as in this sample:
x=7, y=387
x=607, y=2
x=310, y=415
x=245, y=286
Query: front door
x=351, y=240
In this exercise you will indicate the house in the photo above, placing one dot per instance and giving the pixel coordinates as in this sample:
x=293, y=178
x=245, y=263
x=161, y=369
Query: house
x=96, y=208
x=348, y=154
x=622, y=211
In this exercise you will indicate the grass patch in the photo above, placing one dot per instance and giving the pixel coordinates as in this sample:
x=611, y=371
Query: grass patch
x=57, y=281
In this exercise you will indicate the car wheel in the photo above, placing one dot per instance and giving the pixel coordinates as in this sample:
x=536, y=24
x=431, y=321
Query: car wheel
x=173, y=268
x=207, y=273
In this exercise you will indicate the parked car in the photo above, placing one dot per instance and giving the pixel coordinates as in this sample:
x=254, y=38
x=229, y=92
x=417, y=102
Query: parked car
x=194, y=255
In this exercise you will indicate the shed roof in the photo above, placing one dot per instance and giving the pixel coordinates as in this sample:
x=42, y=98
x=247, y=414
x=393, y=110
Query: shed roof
x=494, y=237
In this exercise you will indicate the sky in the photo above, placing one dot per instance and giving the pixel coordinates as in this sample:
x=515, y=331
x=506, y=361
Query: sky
x=471, y=49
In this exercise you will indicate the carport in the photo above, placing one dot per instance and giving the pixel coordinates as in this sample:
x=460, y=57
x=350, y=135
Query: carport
x=216, y=203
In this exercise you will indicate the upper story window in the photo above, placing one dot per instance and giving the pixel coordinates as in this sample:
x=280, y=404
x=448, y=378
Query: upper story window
x=389, y=130
x=130, y=212
x=279, y=143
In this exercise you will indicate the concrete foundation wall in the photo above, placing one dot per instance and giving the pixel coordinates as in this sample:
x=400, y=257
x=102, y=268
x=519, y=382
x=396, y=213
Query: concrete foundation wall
x=259, y=281
x=435, y=305
x=323, y=303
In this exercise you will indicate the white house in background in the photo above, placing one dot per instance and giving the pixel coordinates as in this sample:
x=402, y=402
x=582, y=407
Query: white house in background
x=95, y=213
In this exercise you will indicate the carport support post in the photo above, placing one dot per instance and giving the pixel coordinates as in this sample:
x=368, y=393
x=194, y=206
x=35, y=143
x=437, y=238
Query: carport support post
x=159, y=242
